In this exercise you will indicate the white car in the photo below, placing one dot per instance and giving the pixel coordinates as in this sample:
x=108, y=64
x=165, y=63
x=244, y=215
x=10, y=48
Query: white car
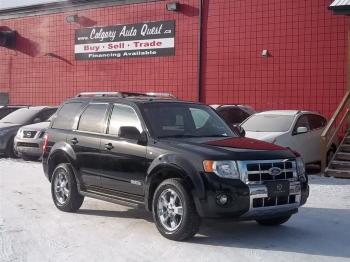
x=298, y=130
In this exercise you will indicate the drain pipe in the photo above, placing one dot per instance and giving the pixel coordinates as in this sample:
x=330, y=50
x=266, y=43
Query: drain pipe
x=200, y=47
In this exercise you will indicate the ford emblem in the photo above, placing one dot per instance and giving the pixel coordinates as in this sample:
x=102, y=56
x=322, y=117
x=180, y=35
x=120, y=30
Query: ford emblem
x=275, y=171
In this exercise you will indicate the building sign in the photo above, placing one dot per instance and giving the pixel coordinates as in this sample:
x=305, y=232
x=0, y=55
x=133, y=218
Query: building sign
x=125, y=41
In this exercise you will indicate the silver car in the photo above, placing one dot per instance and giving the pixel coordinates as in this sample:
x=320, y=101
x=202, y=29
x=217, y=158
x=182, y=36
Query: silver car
x=29, y=140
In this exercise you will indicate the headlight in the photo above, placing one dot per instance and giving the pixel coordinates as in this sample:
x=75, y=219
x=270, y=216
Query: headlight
x=301, y=170
x=225, y=169
x=300, y=166
x=19, y=133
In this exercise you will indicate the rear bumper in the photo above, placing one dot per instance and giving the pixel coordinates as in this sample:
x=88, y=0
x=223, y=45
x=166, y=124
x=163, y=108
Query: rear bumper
x=246, y=202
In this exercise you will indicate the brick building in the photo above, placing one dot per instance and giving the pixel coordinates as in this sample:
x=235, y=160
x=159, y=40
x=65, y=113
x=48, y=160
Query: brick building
x=272, y=54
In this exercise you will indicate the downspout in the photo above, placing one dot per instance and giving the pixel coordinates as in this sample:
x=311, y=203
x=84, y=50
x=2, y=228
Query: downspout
x=200, y=47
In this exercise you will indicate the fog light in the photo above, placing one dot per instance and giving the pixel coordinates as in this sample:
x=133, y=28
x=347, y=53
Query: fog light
x=222, y=199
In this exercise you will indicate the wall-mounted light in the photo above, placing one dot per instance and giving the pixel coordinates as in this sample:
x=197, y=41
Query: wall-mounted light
x=173, y=6
x=72, y=19
x=8, y=38
x=265, y=53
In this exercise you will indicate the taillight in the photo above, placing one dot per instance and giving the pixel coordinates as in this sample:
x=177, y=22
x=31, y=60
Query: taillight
x=46, y=142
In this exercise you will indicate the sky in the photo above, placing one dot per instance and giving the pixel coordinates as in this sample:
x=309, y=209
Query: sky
x=16, y=3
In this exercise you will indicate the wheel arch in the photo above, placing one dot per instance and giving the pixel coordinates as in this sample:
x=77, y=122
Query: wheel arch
x=59, y=155
x=162, y=169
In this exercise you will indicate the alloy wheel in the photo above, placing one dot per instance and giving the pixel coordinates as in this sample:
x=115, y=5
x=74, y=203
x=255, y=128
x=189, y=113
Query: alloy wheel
x=170, y=210
x=61, y=187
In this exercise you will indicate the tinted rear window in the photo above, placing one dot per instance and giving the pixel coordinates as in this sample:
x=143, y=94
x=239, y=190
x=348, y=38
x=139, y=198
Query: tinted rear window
x=233, y=115
x=316, y=121
x=66, y=116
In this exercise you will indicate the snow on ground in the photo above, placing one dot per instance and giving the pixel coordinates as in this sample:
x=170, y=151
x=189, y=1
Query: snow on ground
x=32, y=229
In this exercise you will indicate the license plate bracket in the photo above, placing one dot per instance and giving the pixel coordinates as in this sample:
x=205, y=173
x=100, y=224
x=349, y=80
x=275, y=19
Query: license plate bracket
x=277, y=188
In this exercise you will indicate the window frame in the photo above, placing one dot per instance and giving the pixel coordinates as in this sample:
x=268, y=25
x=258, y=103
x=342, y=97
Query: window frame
x=109, y=116
x=74, y=123
x=85, y=107
x=294, y=131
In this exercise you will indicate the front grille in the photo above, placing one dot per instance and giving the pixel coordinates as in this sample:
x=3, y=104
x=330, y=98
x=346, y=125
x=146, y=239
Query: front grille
x=273, y=201
x=29, y=134
x=24, y=144
x=261, y=171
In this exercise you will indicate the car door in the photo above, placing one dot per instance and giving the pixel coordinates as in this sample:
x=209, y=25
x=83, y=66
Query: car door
x=85, y=141
x=317, y=124
x=300, y=142
x=123, y=160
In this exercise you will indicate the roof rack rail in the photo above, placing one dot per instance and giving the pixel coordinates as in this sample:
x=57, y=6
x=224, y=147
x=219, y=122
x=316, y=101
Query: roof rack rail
x=161, y=94
x=125, y=94
x=106, y=94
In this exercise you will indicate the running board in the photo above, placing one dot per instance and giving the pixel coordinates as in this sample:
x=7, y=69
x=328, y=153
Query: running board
x=113, y=199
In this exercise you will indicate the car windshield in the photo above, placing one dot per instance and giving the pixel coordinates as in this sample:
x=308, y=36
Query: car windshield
x=268, y=123
x=181, y=120
x=20, y=116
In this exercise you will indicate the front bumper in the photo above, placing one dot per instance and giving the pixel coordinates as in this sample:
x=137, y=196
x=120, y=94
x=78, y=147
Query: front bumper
x=248, y=201
x=29, y=146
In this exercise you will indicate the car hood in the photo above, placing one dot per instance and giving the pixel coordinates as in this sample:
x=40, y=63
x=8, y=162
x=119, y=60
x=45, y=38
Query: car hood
x=236, y=148
x=263, y=136
x=8, y=125
x=36, y=127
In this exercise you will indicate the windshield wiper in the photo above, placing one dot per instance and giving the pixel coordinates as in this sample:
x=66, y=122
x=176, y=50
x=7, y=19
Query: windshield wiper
x=177, y=136
x=216, y=135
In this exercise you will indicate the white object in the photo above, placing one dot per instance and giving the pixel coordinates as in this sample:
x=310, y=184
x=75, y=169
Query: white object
x=298, y=130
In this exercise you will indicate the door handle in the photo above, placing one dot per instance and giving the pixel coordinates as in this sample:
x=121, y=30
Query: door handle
x=109, y=146
x=74, y=141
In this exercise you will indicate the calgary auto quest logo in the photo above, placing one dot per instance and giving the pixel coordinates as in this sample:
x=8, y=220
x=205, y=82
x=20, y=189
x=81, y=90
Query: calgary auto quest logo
x=123, y=41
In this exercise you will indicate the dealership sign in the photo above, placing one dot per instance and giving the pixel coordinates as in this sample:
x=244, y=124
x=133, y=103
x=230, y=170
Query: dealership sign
x=125, y=41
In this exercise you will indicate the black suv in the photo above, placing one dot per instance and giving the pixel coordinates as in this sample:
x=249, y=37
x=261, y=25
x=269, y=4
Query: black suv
x=177, y=159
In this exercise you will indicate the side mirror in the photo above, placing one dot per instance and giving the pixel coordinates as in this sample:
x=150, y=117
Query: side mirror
x=129, y=132
x=301, y=130
x=239, y=130
x=36, y=120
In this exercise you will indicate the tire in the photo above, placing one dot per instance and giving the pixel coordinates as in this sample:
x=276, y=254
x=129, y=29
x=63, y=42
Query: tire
x=10, y=149
x=173, y=192
x=273, y=221
x=66, y=198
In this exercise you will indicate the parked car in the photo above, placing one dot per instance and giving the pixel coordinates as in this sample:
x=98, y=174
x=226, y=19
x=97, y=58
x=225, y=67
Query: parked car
x=5, y=110
x=29, y=140
x=10, y=124
x=177, y=159
x=234, y=114
x=298, y=130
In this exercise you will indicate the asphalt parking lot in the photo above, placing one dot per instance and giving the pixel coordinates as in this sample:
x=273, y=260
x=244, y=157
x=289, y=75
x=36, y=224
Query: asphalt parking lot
x=32, y=229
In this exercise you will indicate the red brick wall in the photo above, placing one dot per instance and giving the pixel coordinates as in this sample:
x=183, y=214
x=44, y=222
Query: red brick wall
x=306, y=69
x=31, y=77
x=308, y=46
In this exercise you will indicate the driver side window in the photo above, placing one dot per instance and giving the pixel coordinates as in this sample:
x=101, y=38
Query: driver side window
x=200, y=117
x=123, y=115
